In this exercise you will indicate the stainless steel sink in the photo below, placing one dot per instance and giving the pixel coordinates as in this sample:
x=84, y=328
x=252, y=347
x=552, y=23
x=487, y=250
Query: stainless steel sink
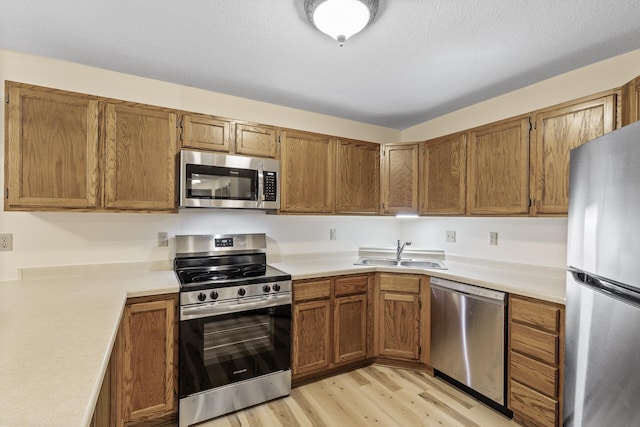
x=408, y=263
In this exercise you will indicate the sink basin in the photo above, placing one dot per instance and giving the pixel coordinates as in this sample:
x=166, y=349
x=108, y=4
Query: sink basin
x=409, y=263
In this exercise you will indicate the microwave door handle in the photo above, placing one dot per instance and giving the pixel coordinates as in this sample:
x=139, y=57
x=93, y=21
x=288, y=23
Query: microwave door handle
x=260, y=188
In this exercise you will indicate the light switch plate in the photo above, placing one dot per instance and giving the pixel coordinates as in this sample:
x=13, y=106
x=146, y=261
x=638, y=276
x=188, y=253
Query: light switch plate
x=450, y=236
x=493, y=238
x=333, y=234
x=163, y=239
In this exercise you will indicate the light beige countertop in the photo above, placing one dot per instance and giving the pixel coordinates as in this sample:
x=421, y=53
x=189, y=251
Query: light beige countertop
x=57, y=326
x=56, y=336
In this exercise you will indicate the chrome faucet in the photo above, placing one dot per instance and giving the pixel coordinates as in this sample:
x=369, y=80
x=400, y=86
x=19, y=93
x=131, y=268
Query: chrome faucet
x=399, y=249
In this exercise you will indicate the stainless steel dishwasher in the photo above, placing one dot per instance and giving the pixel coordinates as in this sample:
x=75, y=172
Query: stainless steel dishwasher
x=468, y=337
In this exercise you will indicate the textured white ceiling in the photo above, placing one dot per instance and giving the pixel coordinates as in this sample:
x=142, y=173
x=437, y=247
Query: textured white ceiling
x=419, y=59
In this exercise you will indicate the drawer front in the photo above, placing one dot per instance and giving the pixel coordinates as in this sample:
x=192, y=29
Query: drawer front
x=537, y=375
x=317, y=289
x=539, y=345
x=400, y=283
x=533, y=407
x=536, y=314
x=351, y=285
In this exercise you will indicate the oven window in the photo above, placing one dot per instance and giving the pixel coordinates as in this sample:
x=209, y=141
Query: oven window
x=224, y=183
x=220, y=350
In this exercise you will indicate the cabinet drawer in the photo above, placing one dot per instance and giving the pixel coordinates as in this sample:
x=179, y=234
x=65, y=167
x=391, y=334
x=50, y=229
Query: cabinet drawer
x=400, y=283
x=536, y=314
x=537, y=375
x=539, y=345
x=535, y=408
x=317, y=289
x=350, y=285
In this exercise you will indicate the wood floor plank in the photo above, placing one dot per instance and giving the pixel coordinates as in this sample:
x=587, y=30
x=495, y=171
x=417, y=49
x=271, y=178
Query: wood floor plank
x=437, y=403
x=309, y=411
x=462, y=399
x=358, y=377
x=380, y=377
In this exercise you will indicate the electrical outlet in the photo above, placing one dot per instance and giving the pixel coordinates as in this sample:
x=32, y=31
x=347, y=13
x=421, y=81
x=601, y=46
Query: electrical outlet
x=451, y=236
x=6, y=242
x=493, y=238
x=163, y=239
x=333, y=234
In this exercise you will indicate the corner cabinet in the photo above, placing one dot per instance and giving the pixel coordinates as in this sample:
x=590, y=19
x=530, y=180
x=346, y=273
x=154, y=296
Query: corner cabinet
x=557, y=131
x=536, y=361
x=400, y=178
x=144, y=363
x=330, y=323
x=498, y=168
x=307, y=168
x=358, y=177
x=51, y=149
x=443, y=166
x=631, y=102
x=402, y=317
x=140, y=150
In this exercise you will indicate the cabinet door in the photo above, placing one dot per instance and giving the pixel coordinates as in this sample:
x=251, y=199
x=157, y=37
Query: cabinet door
x=140, y=143
x=358, y=177
x=260, y=141
x=205, y=132
x=631, y=102
x=146, y=361
x=308, y=178
x=557, y=131
x=498, y=168
x=444, y=172
x=400, y=178
x=52, y=149
x=311, y=336
x=350, y=328
x=399, y=325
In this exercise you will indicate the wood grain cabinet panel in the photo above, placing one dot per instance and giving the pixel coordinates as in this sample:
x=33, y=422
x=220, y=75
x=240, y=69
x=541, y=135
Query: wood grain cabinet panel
x=357, y=177
x=558, y=130
x=631, y=102
x=443, y=166
x=51, y=149
x=308, y=176
x=350, y=328
x=256, y=140
x=400, y=178
x=498, y=168
x=350, y=285
x=312, y=336
x=400, y=324
x=140, y=150
x=538, y=344
x=537, y=375
x=312, y=289
x=203, y=132
x=146, y=359
x=532, y=408
x=531, y=313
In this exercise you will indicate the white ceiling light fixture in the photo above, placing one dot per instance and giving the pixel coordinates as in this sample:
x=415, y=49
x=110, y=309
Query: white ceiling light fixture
x=340, y=19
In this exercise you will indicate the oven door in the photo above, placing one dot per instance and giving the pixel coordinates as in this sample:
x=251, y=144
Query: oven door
x=225, y=343
x=219, y=180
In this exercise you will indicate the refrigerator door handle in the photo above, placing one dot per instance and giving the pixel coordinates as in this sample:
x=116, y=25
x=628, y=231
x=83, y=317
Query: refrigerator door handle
x=606, y=287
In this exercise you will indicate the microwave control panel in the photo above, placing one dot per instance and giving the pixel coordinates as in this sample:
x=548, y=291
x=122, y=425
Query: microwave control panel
x=270, y=186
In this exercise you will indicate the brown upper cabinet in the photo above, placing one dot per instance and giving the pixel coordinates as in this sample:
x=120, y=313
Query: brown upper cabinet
x=307, y=170
x=202, y=132
x=140, y=150
x=557, y=130
x=443, y=166
x=358, y=177
x=631, y=102
x=256, y=140
x=498, y=168
x=51, y=151
x=400, y=178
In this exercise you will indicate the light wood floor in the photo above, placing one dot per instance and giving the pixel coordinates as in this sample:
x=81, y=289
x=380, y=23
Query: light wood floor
x=372, y=396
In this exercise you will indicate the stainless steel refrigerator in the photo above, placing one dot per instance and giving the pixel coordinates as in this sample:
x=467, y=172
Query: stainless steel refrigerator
x=602, y=344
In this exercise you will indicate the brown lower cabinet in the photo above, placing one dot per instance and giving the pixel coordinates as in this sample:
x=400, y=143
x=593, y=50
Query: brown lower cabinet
x=536, y=361
x=144, y=387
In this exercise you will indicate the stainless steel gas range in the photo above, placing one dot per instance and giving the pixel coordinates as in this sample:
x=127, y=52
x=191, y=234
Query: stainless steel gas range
x=235, y=325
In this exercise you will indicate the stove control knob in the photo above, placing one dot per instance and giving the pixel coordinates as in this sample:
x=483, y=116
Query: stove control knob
x=213, y=295
x=276, y=287
x=241, y=292
x=202, y=297
x=266, y=288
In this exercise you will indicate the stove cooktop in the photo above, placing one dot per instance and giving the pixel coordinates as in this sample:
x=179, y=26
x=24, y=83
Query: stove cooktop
x=193, y=279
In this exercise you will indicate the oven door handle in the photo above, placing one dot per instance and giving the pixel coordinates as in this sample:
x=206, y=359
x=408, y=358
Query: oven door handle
x=217, y=309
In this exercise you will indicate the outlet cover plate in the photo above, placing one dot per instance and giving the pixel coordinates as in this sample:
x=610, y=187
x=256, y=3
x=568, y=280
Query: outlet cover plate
x=6, y=242
x=163, y=239
x=493, y=238
x=450, y=236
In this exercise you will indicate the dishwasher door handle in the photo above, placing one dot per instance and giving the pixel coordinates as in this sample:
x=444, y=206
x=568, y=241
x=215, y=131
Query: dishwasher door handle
x=489, y=295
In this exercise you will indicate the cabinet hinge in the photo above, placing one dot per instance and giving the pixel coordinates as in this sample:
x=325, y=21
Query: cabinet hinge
x=279, y=139
x=419, y=352
x=530, y=202
x=532, y=125
x=7, y=98
x=6, y=193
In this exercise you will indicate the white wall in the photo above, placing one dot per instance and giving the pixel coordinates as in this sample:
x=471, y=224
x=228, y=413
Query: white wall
x=539, y=241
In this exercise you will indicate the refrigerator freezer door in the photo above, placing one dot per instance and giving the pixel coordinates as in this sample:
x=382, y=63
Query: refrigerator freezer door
x=602, y=362
x=604, y=206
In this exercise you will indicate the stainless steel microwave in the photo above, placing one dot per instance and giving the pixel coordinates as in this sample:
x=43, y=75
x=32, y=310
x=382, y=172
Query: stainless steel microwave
x=209, y=180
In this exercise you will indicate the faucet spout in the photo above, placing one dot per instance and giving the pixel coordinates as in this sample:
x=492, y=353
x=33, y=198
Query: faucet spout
x=399, y=250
